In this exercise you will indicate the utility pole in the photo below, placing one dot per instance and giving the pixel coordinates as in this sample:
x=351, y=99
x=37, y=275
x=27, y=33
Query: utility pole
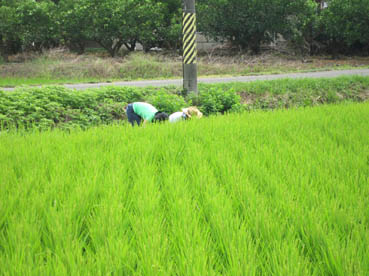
x=189, y=47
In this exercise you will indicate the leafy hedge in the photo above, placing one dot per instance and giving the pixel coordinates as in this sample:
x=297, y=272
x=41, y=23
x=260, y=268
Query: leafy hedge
x=57, y=106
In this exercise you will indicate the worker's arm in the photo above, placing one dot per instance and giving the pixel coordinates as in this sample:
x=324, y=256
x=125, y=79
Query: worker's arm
x=144, y=122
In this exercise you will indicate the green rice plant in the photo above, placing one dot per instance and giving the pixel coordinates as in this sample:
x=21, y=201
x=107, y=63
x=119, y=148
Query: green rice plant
x=282, y=192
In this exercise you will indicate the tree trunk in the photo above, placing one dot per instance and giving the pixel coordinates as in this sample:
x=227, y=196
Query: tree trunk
x=3, y=52
x=81, y=48
x=108, y=47
x=255, y=48
x=117, y=47
x=131, y=45
x=5, y=56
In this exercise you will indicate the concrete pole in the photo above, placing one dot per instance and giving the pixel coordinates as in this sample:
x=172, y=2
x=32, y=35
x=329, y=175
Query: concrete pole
x=189, y=47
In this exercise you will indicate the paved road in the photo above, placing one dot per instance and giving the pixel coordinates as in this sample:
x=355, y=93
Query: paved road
x=178, y=82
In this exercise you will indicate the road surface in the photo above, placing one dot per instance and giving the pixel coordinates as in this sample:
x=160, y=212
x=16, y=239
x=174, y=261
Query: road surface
x=178, y=82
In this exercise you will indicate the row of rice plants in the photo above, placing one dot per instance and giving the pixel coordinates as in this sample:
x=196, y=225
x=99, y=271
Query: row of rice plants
x=283, y=192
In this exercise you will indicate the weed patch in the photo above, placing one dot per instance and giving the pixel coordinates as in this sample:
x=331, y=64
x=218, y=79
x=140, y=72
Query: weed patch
x=60, y=66
x=56, y=106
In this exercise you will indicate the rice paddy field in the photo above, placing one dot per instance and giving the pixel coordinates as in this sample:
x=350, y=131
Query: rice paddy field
x=283, y=192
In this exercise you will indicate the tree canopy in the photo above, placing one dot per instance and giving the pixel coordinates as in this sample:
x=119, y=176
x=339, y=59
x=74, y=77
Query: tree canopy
x=248, y=24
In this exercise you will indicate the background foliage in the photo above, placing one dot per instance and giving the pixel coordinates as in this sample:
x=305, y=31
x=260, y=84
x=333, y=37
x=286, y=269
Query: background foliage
x=248, y=24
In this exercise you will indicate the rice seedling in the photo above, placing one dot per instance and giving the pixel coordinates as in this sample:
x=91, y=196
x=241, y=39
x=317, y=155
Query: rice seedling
x=282, y=192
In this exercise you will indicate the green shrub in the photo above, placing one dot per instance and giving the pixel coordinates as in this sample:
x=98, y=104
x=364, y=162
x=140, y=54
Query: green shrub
x=64, y=108
x=119, y=94
x=166, y=102
x=57, y=106
x=217, y=100
x=51, y=107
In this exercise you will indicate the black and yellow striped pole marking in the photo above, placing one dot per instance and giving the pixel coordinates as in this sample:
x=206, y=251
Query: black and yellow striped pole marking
x=189, y=38
x=189, y=47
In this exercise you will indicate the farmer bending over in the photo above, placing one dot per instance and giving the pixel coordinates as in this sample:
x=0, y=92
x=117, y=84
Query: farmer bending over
x=138, y=111
x=186, y=113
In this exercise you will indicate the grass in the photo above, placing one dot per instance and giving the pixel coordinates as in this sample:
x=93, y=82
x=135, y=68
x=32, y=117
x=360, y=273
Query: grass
x=59, y=66
x=13, y=82
x=344, y=84
x=261, y=193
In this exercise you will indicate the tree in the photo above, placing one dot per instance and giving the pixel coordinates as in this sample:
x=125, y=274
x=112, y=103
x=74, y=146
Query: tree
x=346, y=24
x=10, y=40
x=73, y=20
x=37, y=26
x=168, y=31
x=246, y=24
x=146, y=22
x=115, y=23
x=107, y=23
x=302, y=25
